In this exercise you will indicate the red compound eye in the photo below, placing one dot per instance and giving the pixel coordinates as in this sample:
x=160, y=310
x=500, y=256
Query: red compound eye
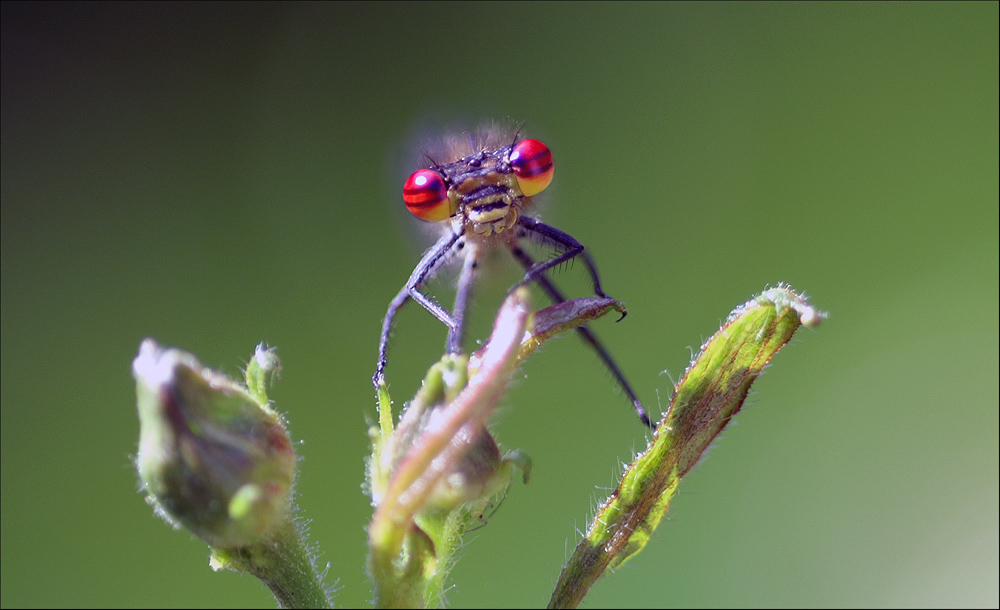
x=426, y=196
x=532, y=164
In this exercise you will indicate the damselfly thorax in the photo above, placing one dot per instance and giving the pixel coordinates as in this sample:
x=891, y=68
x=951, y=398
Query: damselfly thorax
x=481, y=196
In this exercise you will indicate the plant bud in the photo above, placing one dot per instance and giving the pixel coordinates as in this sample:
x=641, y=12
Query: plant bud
x=212, y=458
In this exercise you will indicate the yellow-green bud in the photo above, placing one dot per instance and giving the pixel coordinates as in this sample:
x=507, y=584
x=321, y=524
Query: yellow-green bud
x=211, y=457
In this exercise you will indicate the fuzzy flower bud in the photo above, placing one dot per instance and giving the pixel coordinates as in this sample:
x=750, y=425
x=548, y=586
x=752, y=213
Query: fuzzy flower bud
x=213, y=456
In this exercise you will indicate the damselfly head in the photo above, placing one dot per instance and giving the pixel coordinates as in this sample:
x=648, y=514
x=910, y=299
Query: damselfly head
x=485, y=188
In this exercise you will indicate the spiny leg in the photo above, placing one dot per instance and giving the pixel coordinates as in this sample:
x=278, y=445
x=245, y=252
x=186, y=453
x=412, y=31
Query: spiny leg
x=383, y=345
x=541, y=232
x=557, y=296
x=463, y=294
x=426, y=269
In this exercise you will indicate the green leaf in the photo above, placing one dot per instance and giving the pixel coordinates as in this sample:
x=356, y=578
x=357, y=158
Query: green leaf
x=706, y=398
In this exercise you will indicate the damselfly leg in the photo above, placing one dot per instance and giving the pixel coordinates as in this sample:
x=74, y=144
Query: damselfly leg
x=584, y=332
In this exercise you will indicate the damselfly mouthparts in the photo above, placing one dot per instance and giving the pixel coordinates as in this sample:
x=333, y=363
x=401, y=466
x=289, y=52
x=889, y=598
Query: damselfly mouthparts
x=480, y=194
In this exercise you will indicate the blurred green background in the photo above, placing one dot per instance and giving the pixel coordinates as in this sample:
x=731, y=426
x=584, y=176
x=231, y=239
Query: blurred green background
x=218, y=175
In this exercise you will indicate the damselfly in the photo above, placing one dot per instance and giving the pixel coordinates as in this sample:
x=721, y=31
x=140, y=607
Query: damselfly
x=480, y=193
